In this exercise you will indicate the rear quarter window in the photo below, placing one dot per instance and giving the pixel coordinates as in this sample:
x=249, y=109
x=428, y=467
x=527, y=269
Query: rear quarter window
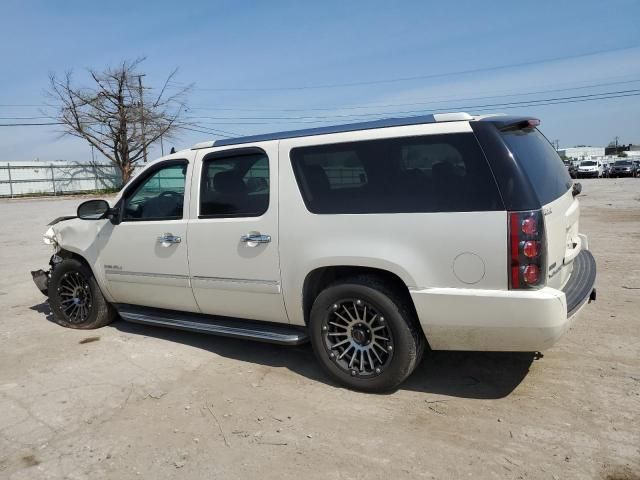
x=541, y=163
x=431, y=173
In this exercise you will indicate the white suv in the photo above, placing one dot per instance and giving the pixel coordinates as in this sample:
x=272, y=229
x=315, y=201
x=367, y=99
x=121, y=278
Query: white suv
x=371, y=240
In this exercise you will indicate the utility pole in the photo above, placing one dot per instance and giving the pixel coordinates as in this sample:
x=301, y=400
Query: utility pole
x=144, y=140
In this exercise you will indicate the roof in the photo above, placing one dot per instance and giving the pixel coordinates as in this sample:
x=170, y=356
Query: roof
x=350, y=127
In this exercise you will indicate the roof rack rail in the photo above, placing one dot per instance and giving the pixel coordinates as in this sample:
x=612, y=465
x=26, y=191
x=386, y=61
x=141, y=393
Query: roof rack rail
x=350, y=127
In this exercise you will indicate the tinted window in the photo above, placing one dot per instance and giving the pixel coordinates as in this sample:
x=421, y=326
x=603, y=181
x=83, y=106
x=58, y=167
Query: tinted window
x=541, y=163
x=158, y=197
x=435, y=173
x=235, y=186
x=623, y=162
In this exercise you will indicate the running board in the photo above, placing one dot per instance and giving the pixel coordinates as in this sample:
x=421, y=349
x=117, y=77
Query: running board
x=224, y=326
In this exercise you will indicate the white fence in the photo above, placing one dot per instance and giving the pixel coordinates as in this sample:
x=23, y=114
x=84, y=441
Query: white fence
x=22, y=179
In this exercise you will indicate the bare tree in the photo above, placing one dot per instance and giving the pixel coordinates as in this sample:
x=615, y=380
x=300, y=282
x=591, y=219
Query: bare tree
x=116, y=114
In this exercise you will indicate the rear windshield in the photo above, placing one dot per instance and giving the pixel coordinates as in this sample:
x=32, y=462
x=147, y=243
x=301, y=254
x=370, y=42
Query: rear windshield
x=541, y=163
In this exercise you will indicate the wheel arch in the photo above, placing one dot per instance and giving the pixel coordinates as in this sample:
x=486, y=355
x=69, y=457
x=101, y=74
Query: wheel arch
x=319, y=278
x=69, y=253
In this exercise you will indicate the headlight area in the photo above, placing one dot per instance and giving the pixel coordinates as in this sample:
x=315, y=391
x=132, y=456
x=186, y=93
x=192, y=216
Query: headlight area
x=49, y=237
x=41, y=277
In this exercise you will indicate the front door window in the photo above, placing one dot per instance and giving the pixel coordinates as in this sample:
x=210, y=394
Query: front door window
x=159, y=197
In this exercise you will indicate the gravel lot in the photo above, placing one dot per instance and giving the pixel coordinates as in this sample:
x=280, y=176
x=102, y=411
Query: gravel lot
x=129, y=401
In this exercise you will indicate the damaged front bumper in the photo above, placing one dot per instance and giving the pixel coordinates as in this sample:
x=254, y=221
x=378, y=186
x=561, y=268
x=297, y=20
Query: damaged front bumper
x=41, y=279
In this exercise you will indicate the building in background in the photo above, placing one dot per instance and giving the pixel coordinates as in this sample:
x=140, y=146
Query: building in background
x=629, y=149
x=581, y=153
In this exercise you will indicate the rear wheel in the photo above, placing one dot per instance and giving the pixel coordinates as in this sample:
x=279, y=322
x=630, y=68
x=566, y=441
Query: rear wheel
x=75, y=297
x=365, y=334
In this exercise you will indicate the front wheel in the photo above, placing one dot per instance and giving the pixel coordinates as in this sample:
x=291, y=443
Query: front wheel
x=75, y=297
x=365, y=334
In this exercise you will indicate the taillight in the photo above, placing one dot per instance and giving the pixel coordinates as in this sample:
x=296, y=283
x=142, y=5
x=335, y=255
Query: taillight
x=527, y=260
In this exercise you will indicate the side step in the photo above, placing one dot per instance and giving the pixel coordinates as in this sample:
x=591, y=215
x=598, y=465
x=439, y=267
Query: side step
x=227, y=327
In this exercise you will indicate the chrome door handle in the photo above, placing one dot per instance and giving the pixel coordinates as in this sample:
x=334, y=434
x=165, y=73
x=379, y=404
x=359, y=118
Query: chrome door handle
x=255, y=238
x=169, y=238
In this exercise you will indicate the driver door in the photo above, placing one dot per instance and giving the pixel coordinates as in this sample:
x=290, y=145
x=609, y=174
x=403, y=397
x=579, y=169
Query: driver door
x=145, y=257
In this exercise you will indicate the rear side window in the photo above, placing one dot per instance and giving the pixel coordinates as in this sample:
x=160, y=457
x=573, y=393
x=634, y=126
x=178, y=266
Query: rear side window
x=542, y=164
x=234, y=186
x=434, y=173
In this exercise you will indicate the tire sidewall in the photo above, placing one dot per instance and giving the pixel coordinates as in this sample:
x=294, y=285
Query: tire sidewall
x=71, y=265
x=403, y=341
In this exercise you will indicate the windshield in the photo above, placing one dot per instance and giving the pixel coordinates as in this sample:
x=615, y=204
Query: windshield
x=542, y=164
x=587, y=164
x=623, y=162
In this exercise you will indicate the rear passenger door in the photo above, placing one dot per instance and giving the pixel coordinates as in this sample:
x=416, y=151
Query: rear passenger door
x=233, y=234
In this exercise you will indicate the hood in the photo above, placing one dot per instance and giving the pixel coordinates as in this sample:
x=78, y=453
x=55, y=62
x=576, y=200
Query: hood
x=61, y=219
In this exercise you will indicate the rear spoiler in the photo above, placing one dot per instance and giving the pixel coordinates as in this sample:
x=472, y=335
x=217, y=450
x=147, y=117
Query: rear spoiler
x=507, y=123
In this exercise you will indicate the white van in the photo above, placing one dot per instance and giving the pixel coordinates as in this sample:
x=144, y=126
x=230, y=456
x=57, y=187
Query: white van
x=371, y=240
x=590, y=169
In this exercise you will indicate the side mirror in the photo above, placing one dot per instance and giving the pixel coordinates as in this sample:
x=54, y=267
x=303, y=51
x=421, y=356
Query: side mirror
x=577, y=188
x=93, y=210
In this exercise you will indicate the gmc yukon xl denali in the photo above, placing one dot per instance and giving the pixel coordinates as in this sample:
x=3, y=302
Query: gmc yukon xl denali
x=373, y=241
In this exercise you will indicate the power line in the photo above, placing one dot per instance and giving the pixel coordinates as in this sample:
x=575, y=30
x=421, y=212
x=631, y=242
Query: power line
x=371, y=106
x=408, y=79
x=29, y=124
x=209, y=132
x=316, y=118
x=23, y=118
x=485, y=107
x=358, y=107
x=474, y=108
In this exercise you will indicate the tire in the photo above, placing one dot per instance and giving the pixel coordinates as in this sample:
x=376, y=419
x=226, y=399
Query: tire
x=75, y=297
x=370, y=311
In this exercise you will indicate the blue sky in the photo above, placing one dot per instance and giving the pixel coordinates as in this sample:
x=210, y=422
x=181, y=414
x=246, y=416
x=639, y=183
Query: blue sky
x=276, y=65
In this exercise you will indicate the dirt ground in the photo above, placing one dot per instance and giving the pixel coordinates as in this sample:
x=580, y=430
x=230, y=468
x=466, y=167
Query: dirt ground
x=129, y=401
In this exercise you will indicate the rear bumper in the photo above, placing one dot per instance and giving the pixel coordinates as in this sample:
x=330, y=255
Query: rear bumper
x=580, y=288
x=504, y=320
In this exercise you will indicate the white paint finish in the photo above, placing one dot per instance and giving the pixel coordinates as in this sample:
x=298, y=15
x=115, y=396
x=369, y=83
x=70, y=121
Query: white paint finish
x=246, y=275
x=134, y=247
x=455, y=264
x=237, y=284
x=561, y=227
x=470, y=319
x=420, y=248
x=86, y=238
x=469, y=268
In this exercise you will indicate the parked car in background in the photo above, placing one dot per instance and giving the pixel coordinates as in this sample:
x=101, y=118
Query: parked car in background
x=590, y=169
x=571, y=168
x=371, y=240
x=624, y=168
